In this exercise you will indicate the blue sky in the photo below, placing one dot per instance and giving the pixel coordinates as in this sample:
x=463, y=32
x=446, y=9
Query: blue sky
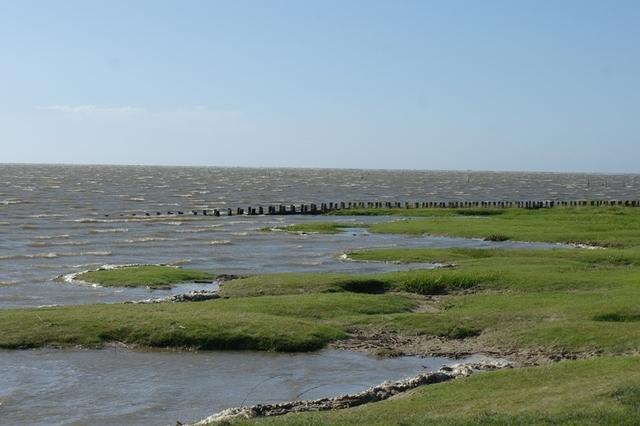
x=482, y=85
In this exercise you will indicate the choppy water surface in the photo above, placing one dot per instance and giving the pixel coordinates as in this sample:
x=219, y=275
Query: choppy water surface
x=52, y=222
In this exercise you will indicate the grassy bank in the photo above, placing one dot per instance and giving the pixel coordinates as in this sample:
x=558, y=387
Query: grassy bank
x=601, y=226
x=151, y=276
x=283, y=323
x=550, y=301
x=603, y=391
x=569, y=301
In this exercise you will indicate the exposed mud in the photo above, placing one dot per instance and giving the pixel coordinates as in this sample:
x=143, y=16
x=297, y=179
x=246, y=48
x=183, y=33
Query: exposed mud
x=383, y=343
x=192, y=296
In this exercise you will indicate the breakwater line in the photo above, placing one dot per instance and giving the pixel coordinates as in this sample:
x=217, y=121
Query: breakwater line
x=323, y=208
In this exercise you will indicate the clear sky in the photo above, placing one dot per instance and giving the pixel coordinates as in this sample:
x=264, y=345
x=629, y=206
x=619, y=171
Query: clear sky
x=485, y=85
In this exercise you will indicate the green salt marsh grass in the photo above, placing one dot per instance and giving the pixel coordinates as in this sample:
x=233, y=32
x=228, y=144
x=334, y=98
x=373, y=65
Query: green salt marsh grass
x=425, y=282
x=315, y=228
x=562, y=300
x=574, y=301
x=153, y=276
x=274, y=323
x=600, y=226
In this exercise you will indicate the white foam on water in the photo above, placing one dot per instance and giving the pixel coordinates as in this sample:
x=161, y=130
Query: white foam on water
x=52, y=237
x=53, y=255
x=149, y=239
x=108, y=231
x=58, y=243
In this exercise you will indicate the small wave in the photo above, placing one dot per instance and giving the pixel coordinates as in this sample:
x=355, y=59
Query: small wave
x=149, y=239
x=30, y=256
x=108, y=231
x=87, y=220
x=10, y=202
x=8, y=282
x=212, y=228
x=180, y=262
x=51, y=237
x=96, y=253
x=219, y=242
x=53, y=255
x=59, y=243
x=310, y=263
x=139, y=219
x=136, y=199
x=240, y=234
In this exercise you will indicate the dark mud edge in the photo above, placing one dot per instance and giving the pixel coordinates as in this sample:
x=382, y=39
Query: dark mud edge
x=374, y=394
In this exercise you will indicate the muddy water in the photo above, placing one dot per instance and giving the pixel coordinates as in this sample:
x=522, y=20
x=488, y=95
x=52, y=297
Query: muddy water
x=116, y=386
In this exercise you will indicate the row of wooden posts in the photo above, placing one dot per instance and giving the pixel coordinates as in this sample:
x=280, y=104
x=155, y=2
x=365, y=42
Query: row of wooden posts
x=313, y=209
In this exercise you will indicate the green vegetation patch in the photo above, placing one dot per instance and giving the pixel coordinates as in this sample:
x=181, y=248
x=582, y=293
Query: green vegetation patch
x=601, y=391
x=315, y=228
x=618, y=317
x=144, y=276
x=284, y=323
x=628, y=394
x=420, y=281
x=599, y=226
x=552, y=301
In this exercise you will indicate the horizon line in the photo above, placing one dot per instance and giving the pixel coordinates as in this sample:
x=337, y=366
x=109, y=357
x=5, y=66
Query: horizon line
x=556, y=172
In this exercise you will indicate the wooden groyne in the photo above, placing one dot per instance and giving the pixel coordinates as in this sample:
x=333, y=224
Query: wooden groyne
x=323, y=208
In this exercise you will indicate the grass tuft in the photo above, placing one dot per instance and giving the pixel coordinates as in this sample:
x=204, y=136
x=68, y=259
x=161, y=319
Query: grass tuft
x=628, y=395
x=371, y=286
x=618, y=317
x=497, y=237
